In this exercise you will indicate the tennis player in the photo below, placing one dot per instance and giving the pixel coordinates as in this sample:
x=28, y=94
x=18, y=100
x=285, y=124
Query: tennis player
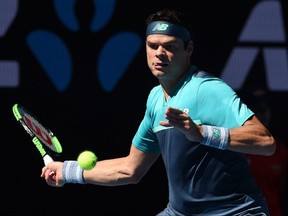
x=196, y=123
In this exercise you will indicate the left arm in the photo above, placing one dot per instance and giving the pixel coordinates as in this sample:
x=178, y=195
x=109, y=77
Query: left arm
x=250, y=138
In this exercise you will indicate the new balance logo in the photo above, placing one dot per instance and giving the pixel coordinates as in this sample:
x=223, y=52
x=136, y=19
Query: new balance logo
x=160, y=27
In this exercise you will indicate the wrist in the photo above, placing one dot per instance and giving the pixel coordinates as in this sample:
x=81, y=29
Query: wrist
x=216, y=137
x=72, y=172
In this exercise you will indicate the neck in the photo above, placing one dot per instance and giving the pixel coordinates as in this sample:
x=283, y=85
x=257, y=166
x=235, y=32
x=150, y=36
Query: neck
x=168, y=85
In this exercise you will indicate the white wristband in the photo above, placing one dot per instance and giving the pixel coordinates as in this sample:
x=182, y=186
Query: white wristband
x=72, y=172
x=217, y=137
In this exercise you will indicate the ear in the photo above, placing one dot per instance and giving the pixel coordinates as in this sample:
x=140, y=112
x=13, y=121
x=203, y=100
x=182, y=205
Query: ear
x=190, y=47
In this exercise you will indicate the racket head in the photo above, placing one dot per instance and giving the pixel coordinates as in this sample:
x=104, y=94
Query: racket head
x=33, y=125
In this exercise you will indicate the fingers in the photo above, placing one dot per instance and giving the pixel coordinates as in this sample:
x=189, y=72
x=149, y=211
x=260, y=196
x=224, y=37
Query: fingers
x=52, y=177
x=49, y=176
x=182, y=121
x=176, y=117
x=44, y=171
x=52, y=173
x=176, y=114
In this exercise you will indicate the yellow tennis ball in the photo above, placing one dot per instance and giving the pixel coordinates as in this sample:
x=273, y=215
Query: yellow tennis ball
x=87, y=160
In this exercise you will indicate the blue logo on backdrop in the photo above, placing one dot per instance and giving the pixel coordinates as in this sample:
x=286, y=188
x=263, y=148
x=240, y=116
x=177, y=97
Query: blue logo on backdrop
x=55, y=57
x=263, y=35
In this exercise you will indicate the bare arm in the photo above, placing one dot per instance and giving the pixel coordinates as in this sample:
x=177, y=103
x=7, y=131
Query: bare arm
x=121, y=171
x=112, y=172
x=250, y=138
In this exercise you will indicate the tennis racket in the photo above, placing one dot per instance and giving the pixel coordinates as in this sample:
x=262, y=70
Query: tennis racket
x=42, y=137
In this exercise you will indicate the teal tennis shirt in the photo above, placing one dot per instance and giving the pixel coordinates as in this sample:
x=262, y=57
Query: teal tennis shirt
x=201, y=178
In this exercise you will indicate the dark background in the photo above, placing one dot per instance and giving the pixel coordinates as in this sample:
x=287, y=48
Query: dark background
x=84, y=116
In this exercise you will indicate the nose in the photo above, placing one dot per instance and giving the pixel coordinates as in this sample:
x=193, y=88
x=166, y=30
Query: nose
x=160, y=51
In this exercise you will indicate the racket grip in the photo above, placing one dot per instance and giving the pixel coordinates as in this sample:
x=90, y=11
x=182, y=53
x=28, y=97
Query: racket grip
x=47, y=159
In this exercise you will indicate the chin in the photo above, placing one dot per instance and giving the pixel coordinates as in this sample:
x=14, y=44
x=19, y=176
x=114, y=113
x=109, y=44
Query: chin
x=158, y=73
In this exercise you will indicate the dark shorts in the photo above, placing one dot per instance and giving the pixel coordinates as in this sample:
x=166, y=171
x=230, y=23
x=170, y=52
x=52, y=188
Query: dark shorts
x=255, y=211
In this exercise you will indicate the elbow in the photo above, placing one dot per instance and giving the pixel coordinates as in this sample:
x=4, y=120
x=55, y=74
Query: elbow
x=135, y=180
x=270, y=150
x=135, y=177
x=270, y=147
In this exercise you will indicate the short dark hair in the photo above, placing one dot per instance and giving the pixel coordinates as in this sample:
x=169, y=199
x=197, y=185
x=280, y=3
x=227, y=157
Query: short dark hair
x=172, y=16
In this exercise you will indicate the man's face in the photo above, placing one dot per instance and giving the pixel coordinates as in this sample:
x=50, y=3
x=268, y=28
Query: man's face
x=167, y=57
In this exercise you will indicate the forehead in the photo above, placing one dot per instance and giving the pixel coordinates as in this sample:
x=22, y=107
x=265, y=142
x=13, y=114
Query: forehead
x=161, y=38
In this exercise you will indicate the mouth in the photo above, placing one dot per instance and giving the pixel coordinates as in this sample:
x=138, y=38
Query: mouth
x=160, y=65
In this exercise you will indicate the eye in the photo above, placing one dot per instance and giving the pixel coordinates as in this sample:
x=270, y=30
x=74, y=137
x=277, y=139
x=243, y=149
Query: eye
x=152, y=45
x=169, y=47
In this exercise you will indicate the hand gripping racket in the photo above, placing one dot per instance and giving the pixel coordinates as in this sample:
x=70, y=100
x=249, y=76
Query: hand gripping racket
x=42, y=137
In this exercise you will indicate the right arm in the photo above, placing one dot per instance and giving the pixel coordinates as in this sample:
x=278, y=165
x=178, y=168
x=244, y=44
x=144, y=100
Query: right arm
x=111, y=172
